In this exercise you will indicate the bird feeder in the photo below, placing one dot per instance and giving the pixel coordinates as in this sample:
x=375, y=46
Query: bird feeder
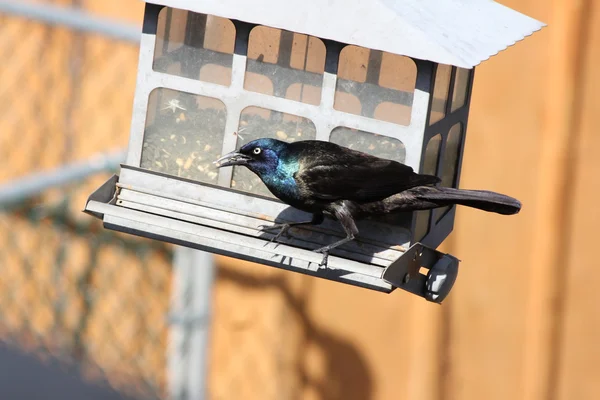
x=392, y=78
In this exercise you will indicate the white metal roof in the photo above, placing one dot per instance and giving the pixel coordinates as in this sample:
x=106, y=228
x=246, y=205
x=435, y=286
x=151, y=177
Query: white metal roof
x=456, y=32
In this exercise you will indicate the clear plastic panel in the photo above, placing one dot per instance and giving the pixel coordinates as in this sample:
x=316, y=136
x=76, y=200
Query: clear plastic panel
x=255, y=123
x=440, y=93
x=422, y=224
x=184, y=135
x=451, y=156
x=450, y=164
x=194, y=46
x=370, y=143
x=432, y=152
x=285, y=64
x=375, y=84
x=461, y=84
x=379, y=146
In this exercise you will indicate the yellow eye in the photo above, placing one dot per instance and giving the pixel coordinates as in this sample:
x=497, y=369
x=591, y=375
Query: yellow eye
x=256, y=150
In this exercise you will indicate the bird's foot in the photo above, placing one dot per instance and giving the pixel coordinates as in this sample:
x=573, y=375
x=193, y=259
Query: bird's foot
x=325, y=252
x=284, y=228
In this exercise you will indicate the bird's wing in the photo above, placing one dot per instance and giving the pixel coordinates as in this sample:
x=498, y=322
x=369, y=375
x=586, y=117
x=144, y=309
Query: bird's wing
x=343, y=174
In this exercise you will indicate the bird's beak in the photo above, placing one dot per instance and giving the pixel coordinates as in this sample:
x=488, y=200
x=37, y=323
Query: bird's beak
x=233, y=158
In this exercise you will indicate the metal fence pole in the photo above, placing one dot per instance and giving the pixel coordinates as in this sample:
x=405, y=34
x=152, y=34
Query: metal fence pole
x=72, y=18
x=194, y=273
x=25, y=187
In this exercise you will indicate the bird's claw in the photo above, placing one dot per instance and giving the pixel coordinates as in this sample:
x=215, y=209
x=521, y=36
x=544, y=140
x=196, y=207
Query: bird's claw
x=264, y=228
x=325, y=252
x=284, y=230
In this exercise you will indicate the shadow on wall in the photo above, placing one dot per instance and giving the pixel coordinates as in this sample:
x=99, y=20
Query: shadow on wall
x=344, y=374
x=25, y=376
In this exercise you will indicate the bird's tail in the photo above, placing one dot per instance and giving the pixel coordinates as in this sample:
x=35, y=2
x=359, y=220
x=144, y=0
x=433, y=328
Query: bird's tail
x=480, y=199
x=429, y=197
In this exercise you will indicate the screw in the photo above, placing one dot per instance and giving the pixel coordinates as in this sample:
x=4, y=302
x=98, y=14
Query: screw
x=406, y=278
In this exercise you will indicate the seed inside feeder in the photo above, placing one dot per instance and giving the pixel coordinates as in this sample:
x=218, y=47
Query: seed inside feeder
x=200, y=131
x=196, y=141
x=281, y=135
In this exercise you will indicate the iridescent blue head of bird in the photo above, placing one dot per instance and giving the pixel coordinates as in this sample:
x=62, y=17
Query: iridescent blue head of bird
x=261, y=156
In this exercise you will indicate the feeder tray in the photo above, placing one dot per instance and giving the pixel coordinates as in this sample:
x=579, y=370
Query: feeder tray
x=420, y=270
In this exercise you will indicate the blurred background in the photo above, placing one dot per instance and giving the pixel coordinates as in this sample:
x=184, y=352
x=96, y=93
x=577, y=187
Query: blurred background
x=89, y=313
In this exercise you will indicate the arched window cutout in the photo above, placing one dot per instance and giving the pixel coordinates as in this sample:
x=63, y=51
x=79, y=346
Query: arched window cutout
x=441, y=87
x=216, y=74
x=389, y=77
x=187, y=42
x=383, y=83
x=450, y=163
x=347, y=102
x=258, y=83
x=429, y=167
x=432, y=155
x=289, y=60
x=353, y=64
x=370, y=143
x=304, y=93
x=451, y=156
x=392, y=112
x=461, y=86
x=258, y=122
x=183, y=134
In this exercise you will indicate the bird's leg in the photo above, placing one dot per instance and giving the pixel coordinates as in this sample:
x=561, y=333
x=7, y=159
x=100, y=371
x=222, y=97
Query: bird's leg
x=343, y=214
x=284, y=228
x=325, y=250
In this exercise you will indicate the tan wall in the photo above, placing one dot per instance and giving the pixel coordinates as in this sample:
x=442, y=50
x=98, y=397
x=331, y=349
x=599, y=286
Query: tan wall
x=524, y=296
x=522, y=320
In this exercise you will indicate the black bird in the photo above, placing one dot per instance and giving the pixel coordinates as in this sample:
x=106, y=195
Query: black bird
x=325, y=178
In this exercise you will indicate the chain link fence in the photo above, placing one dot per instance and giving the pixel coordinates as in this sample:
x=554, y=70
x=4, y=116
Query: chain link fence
x=102, y=302
x=69, y=289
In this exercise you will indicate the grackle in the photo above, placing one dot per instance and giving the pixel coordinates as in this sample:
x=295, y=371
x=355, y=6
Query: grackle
x=324, y=178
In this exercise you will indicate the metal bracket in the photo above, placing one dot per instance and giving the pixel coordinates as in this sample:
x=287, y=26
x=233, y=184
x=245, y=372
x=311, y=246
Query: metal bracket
x=434, y=285
x=107, y=193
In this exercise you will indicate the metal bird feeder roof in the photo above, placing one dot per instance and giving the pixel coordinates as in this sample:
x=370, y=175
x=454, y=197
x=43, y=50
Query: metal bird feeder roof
x=388, y=77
